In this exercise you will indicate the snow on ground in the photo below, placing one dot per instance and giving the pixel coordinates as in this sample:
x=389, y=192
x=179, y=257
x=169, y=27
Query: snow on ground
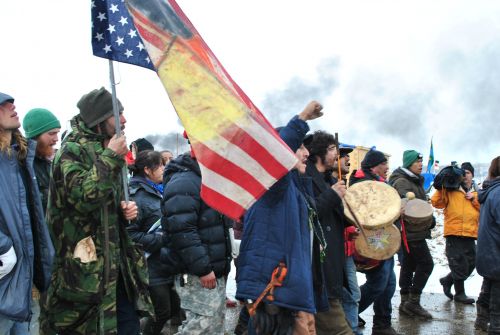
x=437, y=247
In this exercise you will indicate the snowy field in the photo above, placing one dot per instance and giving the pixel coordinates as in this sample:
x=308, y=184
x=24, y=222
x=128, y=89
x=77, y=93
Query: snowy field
x=437, y=247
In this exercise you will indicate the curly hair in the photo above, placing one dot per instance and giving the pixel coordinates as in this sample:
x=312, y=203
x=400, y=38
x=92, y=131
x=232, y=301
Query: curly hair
x=19, y=139
x=319, y=145
x=494, y=170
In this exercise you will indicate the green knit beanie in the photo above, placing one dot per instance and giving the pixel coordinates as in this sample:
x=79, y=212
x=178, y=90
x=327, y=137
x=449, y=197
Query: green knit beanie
x=39, y=121
x=409, y=157
x=97, y=106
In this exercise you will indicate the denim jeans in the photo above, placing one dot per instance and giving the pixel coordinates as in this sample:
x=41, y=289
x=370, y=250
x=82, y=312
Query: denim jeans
x=379, y=289
x=127, y=317
x=351, y=297
x=5, y=325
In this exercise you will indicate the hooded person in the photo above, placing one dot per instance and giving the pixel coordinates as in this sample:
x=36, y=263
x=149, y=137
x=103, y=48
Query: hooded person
x=417, y=263
x=461, y=222
x=488, y=252
x=26, y=250
x=100, y=279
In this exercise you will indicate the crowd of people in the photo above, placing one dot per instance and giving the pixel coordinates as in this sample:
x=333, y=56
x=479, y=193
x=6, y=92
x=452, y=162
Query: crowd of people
x=78, y=257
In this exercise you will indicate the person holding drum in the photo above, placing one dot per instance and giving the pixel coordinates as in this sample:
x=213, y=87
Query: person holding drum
x=461, y=219
x=380, y=282
x=417, y=264
x=328, y=196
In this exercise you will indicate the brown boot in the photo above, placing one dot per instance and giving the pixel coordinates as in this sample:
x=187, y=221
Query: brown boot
x=413, y=307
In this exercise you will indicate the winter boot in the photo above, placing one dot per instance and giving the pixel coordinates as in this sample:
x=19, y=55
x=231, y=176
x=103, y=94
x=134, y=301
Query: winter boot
x=460, y=295
x=413, y=307
x=447, y=282
x=482, y=318
x=405, y=297
x=384, y=331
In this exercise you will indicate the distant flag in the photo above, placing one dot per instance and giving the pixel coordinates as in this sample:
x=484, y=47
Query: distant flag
x=430, y=164
x=114, y=35
x=239, y=153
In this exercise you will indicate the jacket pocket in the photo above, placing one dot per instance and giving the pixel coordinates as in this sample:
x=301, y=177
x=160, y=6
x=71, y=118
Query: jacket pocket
x=81, y=282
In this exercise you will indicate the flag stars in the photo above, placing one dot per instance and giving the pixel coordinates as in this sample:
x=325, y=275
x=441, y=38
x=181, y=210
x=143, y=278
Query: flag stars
x=132, y=33
x=128, y=53
x=123, y=21
x=147, y=60
x=101, y=16
x=140, y=46
x=92, y=4
x=107, y=48
x=111, y=28
x=120, y=41
x=99, y=36
x=114, y=8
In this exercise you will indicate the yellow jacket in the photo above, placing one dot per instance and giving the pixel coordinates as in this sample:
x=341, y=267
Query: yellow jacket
x=461, y=216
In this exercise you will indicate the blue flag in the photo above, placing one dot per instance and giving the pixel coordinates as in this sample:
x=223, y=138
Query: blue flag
x=430, y=164
x=114, y=35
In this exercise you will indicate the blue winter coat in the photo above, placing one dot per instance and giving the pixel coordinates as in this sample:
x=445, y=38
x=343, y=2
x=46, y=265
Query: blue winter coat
x=28, y=238
x=488, y=239
x=276, y=229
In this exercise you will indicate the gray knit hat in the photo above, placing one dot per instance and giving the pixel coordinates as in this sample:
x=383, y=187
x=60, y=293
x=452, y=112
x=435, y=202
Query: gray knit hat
x=96, y=106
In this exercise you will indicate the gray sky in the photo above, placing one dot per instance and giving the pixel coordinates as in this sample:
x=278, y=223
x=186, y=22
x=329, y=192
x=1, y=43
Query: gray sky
x=389, y=73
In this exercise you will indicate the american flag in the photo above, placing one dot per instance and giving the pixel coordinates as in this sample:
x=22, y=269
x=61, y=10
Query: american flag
x=114, y=35
x=239, y=153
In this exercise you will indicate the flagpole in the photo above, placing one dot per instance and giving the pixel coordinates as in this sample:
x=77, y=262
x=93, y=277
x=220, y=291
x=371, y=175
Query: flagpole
x=118, y=128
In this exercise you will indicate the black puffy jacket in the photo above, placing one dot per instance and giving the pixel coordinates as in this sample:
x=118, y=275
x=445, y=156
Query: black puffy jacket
x=198, y=234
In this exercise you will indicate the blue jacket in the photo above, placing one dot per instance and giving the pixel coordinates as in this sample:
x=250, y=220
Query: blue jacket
x=276, y=229
x=488, y=239
x=29, y=236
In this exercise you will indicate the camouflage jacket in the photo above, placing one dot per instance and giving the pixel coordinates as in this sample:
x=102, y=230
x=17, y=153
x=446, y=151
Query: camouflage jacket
x=84, y=201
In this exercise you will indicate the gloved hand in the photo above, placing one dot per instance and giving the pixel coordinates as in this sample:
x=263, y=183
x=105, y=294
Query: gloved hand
x=7, y=262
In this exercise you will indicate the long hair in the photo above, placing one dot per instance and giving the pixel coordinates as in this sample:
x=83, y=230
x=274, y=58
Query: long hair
x=5, y=144
x=494, y=170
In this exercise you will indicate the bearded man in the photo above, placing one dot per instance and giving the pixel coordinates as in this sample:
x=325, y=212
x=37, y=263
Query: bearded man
x=41, y=125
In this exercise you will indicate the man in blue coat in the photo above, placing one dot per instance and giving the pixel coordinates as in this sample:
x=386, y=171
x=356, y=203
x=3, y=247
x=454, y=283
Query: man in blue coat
x=26, y=251
x=282, y=233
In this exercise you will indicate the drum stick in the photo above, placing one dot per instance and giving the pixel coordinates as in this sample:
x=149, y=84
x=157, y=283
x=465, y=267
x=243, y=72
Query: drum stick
x=356, y=222
x=338, y=156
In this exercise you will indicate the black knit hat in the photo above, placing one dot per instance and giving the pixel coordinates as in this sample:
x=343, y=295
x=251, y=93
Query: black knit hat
x=372, y=159
x=96, y=106
x=468, y=166
x=142, y=144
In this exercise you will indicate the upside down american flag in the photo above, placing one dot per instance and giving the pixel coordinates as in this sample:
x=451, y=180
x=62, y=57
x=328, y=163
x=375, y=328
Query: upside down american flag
x=239, y=153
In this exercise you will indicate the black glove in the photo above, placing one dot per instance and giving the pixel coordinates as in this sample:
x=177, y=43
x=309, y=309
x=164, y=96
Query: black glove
x=270, y=319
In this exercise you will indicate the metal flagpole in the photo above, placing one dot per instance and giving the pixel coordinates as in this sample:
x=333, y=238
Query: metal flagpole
x=118, y=128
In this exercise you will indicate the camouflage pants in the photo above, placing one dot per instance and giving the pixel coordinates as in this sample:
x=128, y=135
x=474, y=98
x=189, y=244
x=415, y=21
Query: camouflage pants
x=205, y=309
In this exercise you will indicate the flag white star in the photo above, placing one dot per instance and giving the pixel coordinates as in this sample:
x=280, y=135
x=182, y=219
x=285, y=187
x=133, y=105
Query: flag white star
x=111, y=28
x=92, y=4
x=140, y=46
x=123, y=21
x=119, y=41
x=99, y=36
x=101, y=16
x=114, y=8
x=107, y=48
x=132, y=33
x=147, y=60
x=129, y=53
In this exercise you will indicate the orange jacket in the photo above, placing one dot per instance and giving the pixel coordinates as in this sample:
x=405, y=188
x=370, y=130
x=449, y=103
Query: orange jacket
x=461, y=216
